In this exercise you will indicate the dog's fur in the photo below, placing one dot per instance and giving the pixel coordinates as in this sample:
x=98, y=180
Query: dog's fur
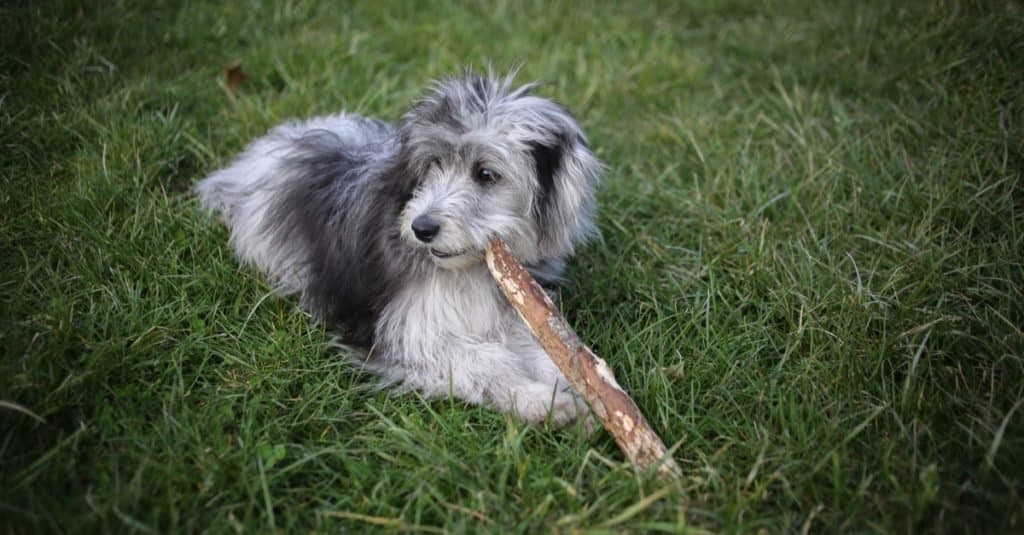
x=326, y=208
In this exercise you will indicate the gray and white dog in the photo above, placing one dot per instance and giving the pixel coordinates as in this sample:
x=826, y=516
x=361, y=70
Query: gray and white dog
x=381, y=229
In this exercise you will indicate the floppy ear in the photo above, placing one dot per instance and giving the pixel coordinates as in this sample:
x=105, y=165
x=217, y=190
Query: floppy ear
x=567, y=175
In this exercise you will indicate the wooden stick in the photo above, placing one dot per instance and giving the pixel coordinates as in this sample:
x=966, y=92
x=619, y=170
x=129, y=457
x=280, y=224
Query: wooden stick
x=588, y=374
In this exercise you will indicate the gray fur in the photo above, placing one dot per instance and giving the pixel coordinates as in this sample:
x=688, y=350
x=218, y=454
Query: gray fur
x=325, y=208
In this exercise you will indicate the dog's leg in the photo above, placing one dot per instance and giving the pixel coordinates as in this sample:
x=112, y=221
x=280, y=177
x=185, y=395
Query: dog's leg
x=534, y=401
x=542, y=369
x=488, y=374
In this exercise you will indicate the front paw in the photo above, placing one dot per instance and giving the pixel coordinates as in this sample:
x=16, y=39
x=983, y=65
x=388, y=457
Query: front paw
x=568, y=407
x=541, y=403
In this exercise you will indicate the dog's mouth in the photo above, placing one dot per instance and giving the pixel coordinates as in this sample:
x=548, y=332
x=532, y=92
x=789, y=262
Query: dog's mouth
x=445, y=254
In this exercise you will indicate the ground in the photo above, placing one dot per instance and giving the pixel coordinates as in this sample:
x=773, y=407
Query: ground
x=810, y=276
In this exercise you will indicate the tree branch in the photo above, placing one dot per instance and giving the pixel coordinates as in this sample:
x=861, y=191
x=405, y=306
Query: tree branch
x=588, y=374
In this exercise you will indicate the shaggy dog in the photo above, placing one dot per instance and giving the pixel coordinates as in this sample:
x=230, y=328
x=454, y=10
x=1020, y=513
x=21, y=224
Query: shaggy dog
x=381, y=228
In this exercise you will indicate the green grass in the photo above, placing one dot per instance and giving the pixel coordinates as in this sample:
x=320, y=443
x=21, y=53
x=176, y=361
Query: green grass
x=810, y=278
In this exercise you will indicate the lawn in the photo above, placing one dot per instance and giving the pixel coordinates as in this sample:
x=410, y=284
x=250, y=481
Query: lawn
x=810, y=276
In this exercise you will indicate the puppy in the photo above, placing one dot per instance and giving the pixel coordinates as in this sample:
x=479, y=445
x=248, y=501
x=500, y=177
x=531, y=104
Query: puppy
x=380, y=229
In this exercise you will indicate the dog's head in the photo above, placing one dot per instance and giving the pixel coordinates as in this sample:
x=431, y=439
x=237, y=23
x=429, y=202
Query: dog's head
x=492, y=161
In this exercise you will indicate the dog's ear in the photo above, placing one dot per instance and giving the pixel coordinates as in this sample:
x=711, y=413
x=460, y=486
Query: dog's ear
x=567, y=175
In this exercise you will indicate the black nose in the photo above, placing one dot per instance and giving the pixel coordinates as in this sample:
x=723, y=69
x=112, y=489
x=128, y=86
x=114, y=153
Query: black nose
x=425, y=228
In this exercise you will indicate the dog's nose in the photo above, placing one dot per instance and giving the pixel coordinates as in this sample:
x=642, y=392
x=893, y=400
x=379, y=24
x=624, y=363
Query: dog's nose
x=425, y=228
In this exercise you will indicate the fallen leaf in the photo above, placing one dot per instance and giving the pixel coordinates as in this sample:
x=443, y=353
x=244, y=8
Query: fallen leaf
x=235, y=75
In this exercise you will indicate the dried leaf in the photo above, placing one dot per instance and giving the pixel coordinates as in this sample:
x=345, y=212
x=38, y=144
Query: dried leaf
x=235, y=75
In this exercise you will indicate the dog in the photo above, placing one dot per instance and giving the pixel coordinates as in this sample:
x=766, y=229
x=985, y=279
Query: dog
x=381, y=229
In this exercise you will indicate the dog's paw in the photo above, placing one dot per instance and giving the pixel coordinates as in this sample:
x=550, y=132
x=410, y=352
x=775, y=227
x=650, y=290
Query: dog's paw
x=568, y=408
x=540, y=403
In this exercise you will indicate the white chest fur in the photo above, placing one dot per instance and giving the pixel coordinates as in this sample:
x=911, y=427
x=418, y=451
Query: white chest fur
x=447, y=307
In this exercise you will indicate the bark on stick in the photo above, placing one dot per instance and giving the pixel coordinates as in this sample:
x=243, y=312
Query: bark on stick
x=588, y=374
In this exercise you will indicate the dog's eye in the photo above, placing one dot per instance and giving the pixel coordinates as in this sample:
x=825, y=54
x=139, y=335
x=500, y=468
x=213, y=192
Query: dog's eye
x=486, y=176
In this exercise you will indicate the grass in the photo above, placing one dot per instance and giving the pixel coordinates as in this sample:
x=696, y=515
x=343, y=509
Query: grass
x=810, y=277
